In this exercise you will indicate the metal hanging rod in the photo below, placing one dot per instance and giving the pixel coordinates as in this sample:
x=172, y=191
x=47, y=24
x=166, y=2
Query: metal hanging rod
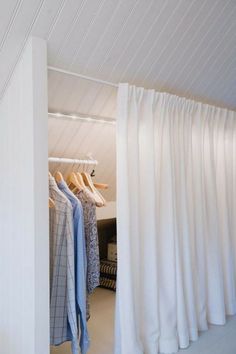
x=89, y=78
x=74, y=117
x=72, y=161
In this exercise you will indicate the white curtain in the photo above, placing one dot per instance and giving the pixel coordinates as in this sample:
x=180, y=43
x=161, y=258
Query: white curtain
x=176, y=220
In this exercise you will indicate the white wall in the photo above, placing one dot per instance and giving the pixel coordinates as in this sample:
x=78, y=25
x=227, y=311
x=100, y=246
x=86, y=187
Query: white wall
x=107, y=212
x=24, y=258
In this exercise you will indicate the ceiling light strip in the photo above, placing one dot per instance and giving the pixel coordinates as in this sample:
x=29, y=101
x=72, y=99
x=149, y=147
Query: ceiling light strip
x=75, y=117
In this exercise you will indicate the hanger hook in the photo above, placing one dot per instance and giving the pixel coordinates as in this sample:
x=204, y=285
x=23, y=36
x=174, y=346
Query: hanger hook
x=92, y=174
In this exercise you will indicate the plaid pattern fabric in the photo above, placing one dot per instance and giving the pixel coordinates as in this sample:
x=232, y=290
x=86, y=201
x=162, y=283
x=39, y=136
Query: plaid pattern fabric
x=80, y=264
x=62, y=270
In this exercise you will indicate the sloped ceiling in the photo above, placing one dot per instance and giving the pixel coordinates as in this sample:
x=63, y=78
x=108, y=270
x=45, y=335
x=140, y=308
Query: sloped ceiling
x=69, y=94
x=79, y=139
x=82, y=139
x=184, y=47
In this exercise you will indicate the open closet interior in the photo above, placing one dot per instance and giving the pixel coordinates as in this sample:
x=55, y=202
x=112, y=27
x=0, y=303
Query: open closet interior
x=117, y=132
x=82, y=174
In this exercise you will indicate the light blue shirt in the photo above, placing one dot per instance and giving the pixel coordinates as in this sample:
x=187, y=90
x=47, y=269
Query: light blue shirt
x=80, y=264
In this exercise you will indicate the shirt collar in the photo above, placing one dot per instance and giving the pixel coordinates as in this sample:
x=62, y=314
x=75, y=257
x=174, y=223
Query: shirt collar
x=52, y=182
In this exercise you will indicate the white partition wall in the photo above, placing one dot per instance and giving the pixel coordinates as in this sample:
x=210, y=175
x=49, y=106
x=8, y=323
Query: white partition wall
x=24, y=256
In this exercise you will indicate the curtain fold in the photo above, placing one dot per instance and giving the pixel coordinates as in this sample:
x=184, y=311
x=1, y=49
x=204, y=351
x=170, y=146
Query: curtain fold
x=176, y=196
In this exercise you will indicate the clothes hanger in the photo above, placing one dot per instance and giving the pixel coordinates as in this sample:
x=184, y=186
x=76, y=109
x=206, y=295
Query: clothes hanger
x=100, y=185
x=80, y=179
x=73, y=182
x=58, y=177
x=95, y=198
x=102, y=198
x=92, y=185
x=89, y=183
x=51, y=203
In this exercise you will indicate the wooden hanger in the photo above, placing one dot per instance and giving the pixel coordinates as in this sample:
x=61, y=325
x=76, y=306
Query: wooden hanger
x=73, y=182
x=51, y=203
x=58, y=177
x=100, y=185
x=80, y=179
x=89, y=183
x=102, y=198
x=94, y=197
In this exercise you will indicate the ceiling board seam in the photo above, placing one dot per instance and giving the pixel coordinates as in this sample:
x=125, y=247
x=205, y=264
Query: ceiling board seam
x=221, y=83
x=58, y=139
x=11, y=23
x=212, y=53
x=69, y=32
x=82, y=97
x=56, y=18
x=188, y=59
x=97, y=90
x=105, y=103
x=37, y=12
x=219, y=70
x=130, y=40
x=76, y=52
x=176, y=46
x=82, y=131
x=118, y=36
x=97, y=97
x=86, y=136
x=76, y=131
x=147, y=34
x=225, y=88
x=208, y=43
x=184, y=54
x=103, y=35
x=163, y=48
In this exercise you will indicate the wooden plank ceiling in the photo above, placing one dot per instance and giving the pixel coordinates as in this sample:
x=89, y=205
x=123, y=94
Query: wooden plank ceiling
x=184, y=47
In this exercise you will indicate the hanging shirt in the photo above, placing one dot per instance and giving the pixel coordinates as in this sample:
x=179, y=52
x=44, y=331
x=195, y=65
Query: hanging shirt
x=62, y=270
x=80, y=264
x=91, y=237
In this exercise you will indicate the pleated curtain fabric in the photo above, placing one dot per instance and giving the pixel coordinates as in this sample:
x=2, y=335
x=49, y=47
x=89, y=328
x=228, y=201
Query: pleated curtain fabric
x=176, y=195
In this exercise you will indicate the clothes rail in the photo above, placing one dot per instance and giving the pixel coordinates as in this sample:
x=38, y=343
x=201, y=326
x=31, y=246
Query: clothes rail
x=83, y=117
x=72, y=161
x=89, y=78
